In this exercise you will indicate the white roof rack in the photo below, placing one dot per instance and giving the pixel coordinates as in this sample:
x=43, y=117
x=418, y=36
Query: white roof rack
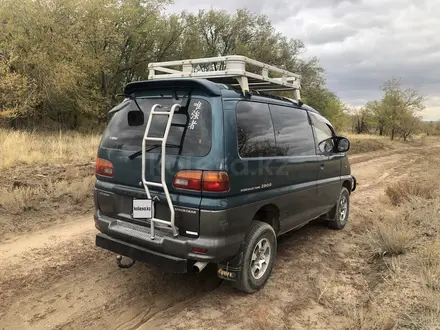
x=231, y=70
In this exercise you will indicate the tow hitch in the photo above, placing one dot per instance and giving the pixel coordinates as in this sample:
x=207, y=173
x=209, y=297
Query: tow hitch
x=124, y=265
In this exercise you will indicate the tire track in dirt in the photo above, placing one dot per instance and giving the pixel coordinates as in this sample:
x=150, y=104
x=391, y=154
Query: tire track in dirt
x=57, y=279
x=60, y=280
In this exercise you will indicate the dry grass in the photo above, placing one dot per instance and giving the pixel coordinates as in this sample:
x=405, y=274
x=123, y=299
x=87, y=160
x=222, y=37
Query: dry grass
x=402, y=191
x=372, y=318
x=19, y=147
x=409, y=291
x=19, y=200
x=389, y=238
x=360, y=143
x=44, y=173
x=430, y=265
x=424, y=315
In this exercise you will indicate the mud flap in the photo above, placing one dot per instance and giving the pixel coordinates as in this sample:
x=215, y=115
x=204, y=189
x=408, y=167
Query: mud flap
x=229, y=270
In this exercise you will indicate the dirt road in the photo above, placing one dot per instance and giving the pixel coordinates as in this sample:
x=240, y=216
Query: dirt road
x=57, y=279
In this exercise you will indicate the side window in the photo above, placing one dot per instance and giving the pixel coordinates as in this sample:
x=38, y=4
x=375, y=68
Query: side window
x=293, y=132
x=324, y=133
x=255, y=130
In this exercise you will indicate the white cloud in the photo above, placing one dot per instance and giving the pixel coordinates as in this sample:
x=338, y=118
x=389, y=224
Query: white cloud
x=360, y=43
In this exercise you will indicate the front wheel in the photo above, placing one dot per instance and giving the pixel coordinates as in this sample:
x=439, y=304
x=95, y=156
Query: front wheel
x=342, y=210
x=259, y=254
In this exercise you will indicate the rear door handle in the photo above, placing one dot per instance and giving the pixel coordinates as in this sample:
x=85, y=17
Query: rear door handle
x=322, y=166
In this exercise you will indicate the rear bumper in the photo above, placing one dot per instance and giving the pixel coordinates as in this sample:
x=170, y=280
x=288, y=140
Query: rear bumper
x=218, y=247
x=164, y=262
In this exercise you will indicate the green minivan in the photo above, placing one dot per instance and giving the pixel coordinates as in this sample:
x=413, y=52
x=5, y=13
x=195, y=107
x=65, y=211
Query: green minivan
x=191, y=172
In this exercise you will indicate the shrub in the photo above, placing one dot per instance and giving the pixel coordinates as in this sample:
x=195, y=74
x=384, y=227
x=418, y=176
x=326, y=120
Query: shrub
x=402, y=191
x=430, y=262
x=392, y=237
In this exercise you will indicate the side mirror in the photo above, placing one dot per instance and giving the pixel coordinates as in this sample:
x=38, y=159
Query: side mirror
x=326, y=146
x=135, y=118
x=342, y=144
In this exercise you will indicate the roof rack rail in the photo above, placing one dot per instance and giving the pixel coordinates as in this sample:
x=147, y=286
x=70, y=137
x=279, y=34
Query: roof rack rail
x=272, y=96
x=230, y=70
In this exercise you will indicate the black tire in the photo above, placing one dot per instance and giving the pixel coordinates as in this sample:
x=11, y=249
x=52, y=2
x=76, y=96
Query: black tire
x=260, y=232
x=339, y=221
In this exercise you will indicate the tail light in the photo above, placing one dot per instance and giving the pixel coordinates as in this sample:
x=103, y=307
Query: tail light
x=215, y=181
x=211, y=181
x=104, y=167
x=199, y=250
x=191, y=180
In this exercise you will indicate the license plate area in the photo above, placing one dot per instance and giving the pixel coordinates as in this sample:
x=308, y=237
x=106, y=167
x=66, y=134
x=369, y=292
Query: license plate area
x=143, y=209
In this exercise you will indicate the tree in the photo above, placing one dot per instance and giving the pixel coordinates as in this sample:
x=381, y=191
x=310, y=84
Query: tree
x=431, y=127
x=79, y=53
x=361, y=120
x=378, y=115
x=70, y=58
x=326, y=102
x=409, y=123
x=398, y=104
x=16, y=93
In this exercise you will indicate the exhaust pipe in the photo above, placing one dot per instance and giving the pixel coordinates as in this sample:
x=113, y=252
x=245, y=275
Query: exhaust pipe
x=199, y=266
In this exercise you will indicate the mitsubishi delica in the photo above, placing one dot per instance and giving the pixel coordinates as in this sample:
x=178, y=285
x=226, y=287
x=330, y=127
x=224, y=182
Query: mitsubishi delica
x=202, y=163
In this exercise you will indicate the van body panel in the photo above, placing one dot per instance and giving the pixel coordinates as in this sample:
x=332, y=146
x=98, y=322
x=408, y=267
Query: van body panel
x=329, y=181
x=301, y=187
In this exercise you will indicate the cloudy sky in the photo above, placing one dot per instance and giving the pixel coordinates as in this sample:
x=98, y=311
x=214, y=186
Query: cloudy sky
x=360, y=43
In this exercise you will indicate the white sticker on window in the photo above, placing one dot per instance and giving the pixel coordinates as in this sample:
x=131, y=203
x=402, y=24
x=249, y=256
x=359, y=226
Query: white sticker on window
x=195, y=115
x=192, y=124
x=198, y=105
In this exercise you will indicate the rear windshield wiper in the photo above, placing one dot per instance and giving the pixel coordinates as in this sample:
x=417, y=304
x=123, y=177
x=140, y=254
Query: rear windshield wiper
x=154, y=146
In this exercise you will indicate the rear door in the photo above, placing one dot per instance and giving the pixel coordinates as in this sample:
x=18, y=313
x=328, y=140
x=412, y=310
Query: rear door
x=329, y=179
x=190, y=147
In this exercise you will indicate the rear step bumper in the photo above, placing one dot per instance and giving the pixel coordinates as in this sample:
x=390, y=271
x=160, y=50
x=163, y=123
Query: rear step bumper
x=165, y=262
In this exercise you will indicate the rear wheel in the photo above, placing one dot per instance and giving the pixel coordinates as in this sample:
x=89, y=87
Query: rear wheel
x=342, y=210
x=259, y=254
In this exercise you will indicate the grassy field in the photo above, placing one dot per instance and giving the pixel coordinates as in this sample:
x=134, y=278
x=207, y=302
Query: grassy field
x=402, y=245
x=50, y=174
x=361, y=143
x=25, y=148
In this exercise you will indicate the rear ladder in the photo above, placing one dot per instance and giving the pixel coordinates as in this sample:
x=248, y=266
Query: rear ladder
x=162, y=184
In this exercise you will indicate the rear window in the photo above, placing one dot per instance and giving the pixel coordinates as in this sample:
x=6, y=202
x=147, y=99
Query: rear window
x=190, y=132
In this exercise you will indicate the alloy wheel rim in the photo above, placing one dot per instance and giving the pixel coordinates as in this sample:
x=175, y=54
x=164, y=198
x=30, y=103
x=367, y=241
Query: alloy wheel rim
x=343, y=206
x=260, y=258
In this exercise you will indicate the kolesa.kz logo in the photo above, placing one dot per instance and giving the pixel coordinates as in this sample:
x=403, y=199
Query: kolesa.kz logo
x=142, y=208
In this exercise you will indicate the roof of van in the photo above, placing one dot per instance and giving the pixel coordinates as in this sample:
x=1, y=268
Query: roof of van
x=211, y=88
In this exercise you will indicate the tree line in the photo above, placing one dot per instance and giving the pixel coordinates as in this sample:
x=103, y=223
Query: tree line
x=63, y=62
x=396, y=114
